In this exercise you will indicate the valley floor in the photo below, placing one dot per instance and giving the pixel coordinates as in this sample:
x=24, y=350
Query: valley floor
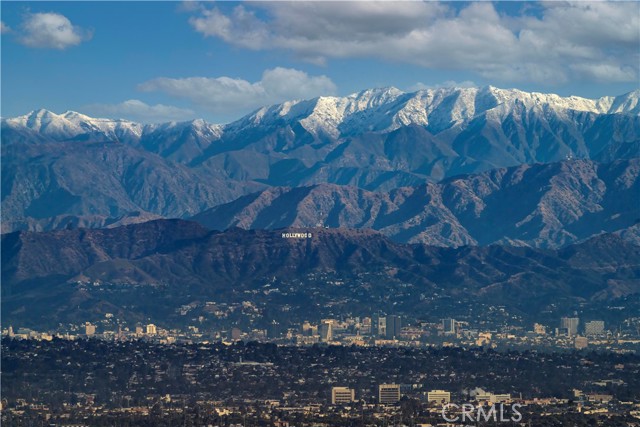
x=94, y=382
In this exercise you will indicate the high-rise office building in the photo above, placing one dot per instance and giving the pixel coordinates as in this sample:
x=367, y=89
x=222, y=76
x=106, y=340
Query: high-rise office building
x=439, y=396
x=365, y=326
x=570, y=324
x=379, y=325
x=394, y=325
x=342, y=395
x=449, y=326
x=595, y=327
x=326, y=331
x=388, y=393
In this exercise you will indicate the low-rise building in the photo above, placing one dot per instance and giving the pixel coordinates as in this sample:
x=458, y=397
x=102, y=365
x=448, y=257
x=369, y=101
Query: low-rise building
x=439, y=396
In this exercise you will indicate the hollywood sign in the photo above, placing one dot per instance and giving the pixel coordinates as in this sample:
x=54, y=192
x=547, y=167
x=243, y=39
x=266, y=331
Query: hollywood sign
x=297, y=235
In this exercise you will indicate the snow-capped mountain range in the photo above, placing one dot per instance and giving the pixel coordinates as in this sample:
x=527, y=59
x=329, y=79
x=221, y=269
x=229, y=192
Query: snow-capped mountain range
x=72, y=125
x=61, y=169
x=373, y=110
x=387, y=109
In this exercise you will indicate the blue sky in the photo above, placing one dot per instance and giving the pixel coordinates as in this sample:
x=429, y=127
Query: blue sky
x=157, y=61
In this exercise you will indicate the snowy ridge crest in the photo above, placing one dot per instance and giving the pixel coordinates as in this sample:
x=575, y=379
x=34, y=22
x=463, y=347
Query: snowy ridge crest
x=386, y=109
x=371, y=110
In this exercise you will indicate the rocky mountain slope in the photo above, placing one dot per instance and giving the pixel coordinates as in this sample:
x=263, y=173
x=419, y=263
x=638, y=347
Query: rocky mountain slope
x=70, y=168
x=95, y=184
x=542, y=205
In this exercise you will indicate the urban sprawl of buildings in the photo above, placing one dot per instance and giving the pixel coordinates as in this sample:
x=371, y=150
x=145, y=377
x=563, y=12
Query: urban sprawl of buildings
x=377, y=330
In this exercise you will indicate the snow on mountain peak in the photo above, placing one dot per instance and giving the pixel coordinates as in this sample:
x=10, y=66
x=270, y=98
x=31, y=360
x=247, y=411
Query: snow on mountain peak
x=371, y=110
x=76, y=117
x=627, y=103
x=375, y=97
x=71, y=124
x=44, y=122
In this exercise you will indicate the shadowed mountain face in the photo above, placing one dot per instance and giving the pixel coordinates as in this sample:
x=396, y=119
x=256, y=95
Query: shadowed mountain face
x=538, y=205
x=52, y=186
x=149, y=270
x=73, y=169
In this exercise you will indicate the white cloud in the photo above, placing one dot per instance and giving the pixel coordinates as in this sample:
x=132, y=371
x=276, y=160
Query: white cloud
x=229, y=95
x=4, y=28
x=189, y=6
x=590, y=41
x=51, y=30
x=138, y=111
x=605, y=72
x=241, y=28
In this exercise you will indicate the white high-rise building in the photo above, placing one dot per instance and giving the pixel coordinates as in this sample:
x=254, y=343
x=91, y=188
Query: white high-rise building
x=342, y=395
x=570, y=324
x=388, y=393
x=595, y=327
x=377, y=322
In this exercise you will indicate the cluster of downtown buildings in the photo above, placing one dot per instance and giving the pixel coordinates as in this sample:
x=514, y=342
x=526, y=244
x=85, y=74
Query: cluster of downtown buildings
x=379, y=329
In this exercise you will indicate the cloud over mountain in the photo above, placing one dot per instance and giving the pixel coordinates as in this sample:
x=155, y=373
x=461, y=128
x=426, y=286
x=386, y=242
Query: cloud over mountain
x=551, y=42
x=229, y=94
x=137, y=110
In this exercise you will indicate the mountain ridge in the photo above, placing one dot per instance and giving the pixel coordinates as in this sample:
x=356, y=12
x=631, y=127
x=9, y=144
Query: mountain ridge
x=150, y=270
x=566, y=203
x=69, y=169
x=75, y=122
